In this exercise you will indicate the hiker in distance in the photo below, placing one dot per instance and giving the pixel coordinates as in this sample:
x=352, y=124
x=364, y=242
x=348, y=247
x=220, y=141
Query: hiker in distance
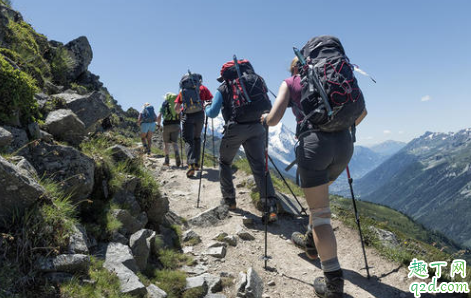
x=171, y=127
x=241, y=112
x=189, y=103
x=146, y=121
x=325, y=144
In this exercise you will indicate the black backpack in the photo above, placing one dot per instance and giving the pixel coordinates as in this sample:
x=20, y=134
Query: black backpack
x=246, y=92
x=331, y=99
x=190, y=92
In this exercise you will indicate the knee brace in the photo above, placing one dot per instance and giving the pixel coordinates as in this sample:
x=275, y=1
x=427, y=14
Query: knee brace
x=320, y=216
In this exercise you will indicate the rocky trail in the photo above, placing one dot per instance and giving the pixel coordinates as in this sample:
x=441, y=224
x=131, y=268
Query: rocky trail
x=290, y=273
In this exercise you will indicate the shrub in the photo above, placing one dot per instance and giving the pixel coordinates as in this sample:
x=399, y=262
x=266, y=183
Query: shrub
x=17, y=93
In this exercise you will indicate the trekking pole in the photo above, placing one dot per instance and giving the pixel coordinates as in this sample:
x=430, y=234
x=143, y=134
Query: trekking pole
x=214, y=147
x=357, y=218
x=266, y=257
x=181, y=146
x=202, y=161
x=303, y=210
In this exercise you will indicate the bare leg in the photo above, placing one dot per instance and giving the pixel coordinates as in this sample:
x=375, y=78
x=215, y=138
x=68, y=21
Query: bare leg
x=149, y=139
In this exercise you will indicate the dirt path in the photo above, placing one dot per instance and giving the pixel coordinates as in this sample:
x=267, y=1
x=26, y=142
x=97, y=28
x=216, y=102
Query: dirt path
x=292, y=273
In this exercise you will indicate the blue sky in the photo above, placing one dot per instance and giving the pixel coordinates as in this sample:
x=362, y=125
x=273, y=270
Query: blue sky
x=418, y=51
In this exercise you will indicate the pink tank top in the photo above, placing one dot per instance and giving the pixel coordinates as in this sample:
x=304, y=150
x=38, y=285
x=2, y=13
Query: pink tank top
x=294, y=86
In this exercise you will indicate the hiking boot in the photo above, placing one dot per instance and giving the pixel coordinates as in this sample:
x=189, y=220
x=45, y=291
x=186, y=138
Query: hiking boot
x=177, y=160
x=330, y=285
x=197, y=167
x=230, y=203
x=305, y=242
x=167, y=161
x=191, y=171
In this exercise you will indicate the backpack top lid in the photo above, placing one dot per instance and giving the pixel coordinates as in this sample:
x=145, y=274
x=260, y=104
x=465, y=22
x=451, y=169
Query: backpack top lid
x=170, y=97
x=190, y=81
x=323, y=46
x=229, y=71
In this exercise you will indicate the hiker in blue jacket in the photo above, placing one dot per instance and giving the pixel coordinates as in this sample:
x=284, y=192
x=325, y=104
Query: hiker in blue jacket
x=146, y=121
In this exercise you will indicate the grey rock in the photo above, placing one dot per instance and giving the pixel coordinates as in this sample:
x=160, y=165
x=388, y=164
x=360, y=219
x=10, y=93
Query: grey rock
x=5, y=137
x=71, y=263
x=155, y=292
x=231, y=240
x=241, y=284
x=117, y=253
x=195, y=270
x=140, y=243
x=214, y=282
x=17, y=192
x=197, y=282
x=41, y=99
x=52, y=88
x=244, y=235
x=27, y=168
x=158, y=208
x=130, y=224
x=64, y=125
x=121, y=153
x=169, y=237
x=119, y=238
x=126, y=198
x=217, y=252
x=73, y=170
x=216, y=244
x=89, y=108
x=220, y=236
x=34, y=131
x=78, y=241
x=129, y=281
x=254, y=288
x=210, y=217
x=190, y=235
x=20, y=138
x=217, y=295
x=387, y=238
x=81, y=53
x=45, y=136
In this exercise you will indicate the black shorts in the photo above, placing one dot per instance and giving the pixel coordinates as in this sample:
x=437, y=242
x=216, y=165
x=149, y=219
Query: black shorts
x=322, y=156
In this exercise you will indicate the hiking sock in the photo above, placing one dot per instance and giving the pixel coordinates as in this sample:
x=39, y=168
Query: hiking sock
x=330, y=265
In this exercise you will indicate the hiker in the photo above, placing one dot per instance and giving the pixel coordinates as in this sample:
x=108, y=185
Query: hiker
x=146, y=121
x=242, y=127
x=171, y=127
x=189, y=103
x=321, y=158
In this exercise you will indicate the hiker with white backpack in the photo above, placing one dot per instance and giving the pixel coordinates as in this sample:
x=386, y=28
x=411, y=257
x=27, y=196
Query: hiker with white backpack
x=327, y=104
x=146, y=121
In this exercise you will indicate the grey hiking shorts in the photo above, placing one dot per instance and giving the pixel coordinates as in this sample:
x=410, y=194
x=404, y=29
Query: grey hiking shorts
x=322, y=156
x=170, y=134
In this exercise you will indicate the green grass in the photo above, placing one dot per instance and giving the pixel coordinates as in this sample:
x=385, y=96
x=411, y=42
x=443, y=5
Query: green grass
x=172, y=259
x=106, y=284
x=173, y=282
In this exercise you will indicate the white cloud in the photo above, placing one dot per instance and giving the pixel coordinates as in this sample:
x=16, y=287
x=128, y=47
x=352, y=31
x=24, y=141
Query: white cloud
x=426, y=98
x=386, y=132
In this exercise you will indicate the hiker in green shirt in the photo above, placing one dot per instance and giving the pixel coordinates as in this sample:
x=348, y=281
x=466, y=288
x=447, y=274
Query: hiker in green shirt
x=171, y=125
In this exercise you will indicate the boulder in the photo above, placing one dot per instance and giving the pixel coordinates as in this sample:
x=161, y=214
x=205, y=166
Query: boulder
x=17, y=192
x=26, y=167
x=90, y=108
x=231, y=240
x=387, y=238
x=5, y=137
x=197, y=282
x=140, y=243
x=78, y=241
x=158, y=208
x=214, y=282
x=70, y=263
x=81, y=53
x=244, y=235
x=64, y=125
x=124, y=198
x=19, y=140
x=34, y=131
x=210, y=217
x=117, y=253
x=190, y=235
x=241, y=284
x=121, y=153
x=154, y=291
x=119, y=260
x=90, y=80
x=73, y=170
x=254, y=287
x=130, y=224
x=217, y=252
